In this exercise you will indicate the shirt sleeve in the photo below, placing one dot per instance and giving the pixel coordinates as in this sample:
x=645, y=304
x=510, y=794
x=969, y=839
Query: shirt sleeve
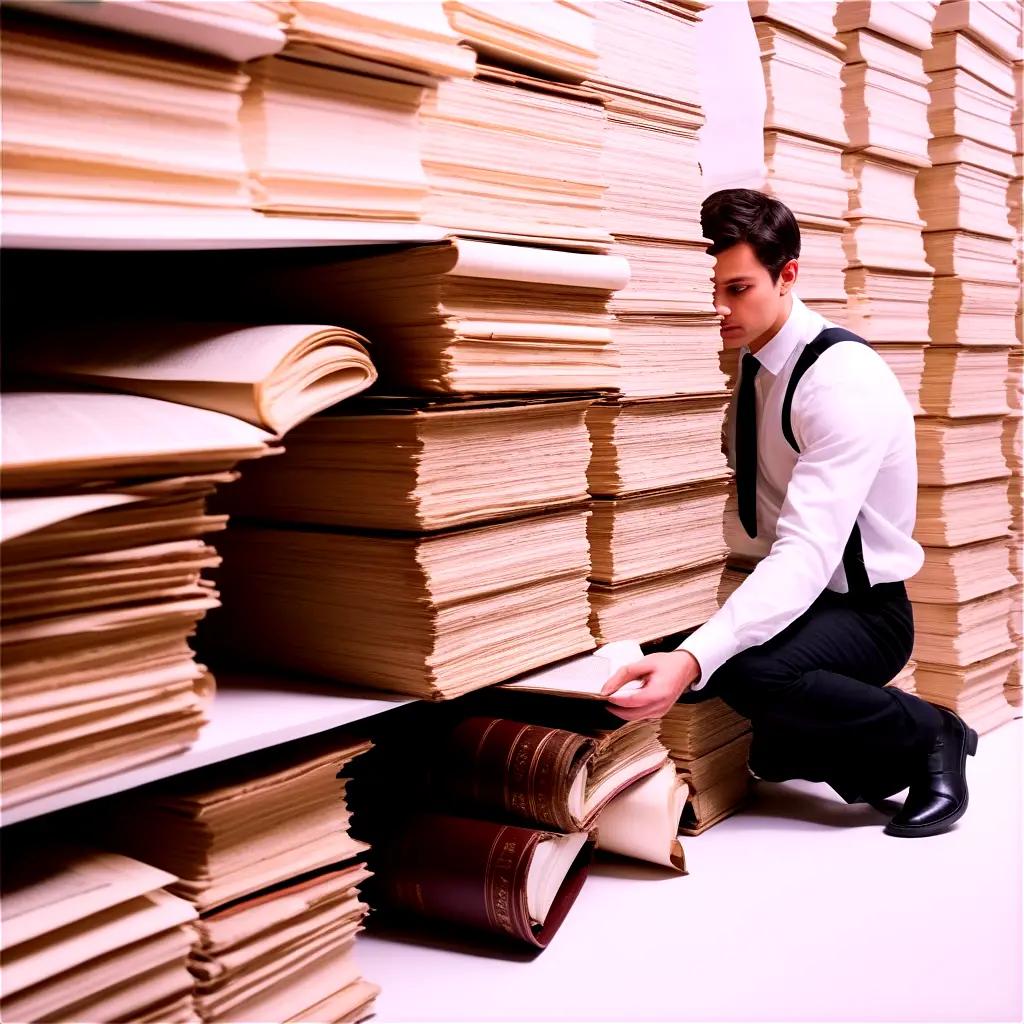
x=843, y=422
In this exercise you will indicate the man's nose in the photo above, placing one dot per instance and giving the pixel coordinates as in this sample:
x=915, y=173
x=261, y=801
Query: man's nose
x=722, y=309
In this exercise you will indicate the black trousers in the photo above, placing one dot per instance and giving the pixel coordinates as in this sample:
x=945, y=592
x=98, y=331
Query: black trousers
x=816, y=698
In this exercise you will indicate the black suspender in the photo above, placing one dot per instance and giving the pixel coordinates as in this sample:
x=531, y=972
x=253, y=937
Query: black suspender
x=853, y=553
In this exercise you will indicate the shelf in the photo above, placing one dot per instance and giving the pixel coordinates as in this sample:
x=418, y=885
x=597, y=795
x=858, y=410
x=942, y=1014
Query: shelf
x=244, y=718
x=139, y=232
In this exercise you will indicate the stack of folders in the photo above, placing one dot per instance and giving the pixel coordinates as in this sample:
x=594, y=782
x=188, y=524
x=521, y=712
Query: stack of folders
x=804, y=139
x=885, y=102
x=260, y=847
x=104, y=510
x=89, y=935
x=965, y=593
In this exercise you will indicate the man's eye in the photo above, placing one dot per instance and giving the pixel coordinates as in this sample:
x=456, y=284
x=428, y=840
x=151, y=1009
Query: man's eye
x=738, y=289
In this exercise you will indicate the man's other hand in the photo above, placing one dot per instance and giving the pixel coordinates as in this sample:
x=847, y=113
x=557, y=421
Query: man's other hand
x=665, y=678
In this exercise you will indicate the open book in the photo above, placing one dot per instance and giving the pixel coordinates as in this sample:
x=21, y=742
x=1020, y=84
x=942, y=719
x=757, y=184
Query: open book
x=542, y=774
x=518, y=883
x=272, y=375
x=583, y=676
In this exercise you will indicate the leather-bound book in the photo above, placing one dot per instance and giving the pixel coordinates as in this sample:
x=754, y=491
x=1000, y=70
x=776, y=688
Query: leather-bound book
x=516, y=883
x=541, y=774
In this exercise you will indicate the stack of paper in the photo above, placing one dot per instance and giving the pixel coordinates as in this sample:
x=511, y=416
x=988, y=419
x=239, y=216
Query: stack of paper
x=665, y=337
x=92, y=936
x=431, y=615
x=475, y=135
x=552, y=37
x=802, y=62
x=261, y=848
x=318, y=140
x=403, y=41
x=463, y=316
x=103, y=507
x=885, y=102
x=905, y=680
x=423, y=464
x=152, y=127
x=966, y=585
x=951, y=516
x=709, y=743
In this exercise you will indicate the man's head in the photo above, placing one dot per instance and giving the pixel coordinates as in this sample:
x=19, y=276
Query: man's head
x=757, y=244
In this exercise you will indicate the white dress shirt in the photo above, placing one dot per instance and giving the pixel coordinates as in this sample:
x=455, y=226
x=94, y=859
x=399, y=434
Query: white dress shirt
x=857, y=464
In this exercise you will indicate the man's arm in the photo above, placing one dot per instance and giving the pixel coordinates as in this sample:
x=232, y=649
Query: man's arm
x=845, y=423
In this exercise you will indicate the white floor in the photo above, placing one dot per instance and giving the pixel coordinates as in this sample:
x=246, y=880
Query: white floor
x=797, y=909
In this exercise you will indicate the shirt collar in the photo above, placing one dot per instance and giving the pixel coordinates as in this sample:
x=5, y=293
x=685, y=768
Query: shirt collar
x=775, y=354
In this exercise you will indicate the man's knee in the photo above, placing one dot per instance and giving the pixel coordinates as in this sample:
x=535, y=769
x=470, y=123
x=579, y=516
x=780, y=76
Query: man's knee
x=752, y=681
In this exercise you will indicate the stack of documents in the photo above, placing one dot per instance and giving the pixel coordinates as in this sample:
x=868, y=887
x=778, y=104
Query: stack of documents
x=92, y=936
x=261, y=848
x=103, y=513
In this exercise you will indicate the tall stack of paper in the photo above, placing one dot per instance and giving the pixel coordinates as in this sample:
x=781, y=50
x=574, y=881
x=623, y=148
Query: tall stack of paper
x=103, y=509
x=1012, y=440
x=964, y=594
x=516, y=158
x=260, y=847
x=665, y=336
x=804, y=138
x=151, y=127
x=885, y=102
x=709, y=743
x=657, y=463
x=91, y=936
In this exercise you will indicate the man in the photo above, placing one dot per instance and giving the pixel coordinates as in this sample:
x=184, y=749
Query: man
x=822, y=441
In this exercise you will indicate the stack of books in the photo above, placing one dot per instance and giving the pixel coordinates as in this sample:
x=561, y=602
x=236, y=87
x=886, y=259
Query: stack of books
x=804, y=139
x=709, y=743
x=657, y=462
x=103, y=513
x=89, y=935
x=964, y=594
x=885, y=102
x=260, y=847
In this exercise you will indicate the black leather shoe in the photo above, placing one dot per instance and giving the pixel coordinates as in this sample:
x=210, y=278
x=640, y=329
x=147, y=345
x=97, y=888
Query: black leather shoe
x=939, y=797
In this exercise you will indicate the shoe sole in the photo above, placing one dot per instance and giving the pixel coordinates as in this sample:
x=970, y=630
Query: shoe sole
x=935, y=828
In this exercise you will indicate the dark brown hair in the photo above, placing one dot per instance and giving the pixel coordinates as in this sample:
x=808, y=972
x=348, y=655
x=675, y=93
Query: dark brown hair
x=736, y=215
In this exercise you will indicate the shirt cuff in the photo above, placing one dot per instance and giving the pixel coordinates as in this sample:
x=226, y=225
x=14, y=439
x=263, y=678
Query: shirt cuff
x=712, y=645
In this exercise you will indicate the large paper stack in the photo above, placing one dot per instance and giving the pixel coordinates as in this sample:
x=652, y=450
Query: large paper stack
x=103, y=510
x=151, y=127
x=431, y=615
x=804, y=138
x=657, y=466
x=91, y=936
x=261, y=848
x=966, y=587
x=709, y=743
x=1012, y=441
x=885, y=102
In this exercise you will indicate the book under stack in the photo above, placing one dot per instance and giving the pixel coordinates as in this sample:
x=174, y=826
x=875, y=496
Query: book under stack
x=260, y=847
x=885, y=103
x=104, y=501
x=89, y=935
x=805, y=137
x=964, y=594
x=657, y=464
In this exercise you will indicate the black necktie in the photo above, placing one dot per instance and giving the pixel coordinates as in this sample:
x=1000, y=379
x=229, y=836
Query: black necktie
x=746, y=446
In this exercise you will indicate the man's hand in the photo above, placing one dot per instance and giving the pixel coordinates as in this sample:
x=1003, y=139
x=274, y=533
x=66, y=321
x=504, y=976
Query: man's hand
x=666, y=677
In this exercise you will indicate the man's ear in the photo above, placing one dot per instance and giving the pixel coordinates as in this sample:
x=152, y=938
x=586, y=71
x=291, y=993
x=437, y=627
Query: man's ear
x=788, y=275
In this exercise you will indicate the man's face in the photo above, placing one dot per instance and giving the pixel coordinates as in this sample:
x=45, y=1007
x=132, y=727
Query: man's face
x=751, y=305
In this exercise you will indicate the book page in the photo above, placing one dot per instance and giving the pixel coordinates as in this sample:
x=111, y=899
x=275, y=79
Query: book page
x=19, y=516
x=583, y=676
